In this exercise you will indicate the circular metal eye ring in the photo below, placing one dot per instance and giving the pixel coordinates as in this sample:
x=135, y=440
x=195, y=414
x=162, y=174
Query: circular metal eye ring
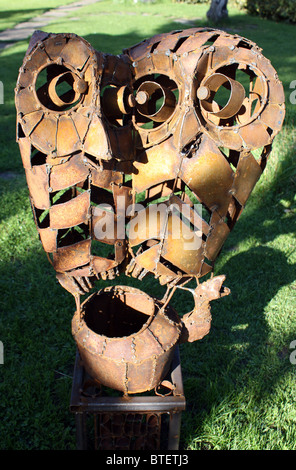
x=146, y=99
x=211, y=86
x=52, y=89
x=260, y=118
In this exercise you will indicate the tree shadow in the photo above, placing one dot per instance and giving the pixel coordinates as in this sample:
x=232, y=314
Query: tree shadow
x=238, y=354
x=10, y=14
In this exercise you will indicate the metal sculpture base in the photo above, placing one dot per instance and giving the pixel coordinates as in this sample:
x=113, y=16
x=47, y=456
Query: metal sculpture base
x=107, y=420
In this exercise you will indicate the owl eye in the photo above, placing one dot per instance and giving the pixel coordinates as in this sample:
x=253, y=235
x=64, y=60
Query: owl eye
x=155, y=102
x=234, y=101
x=234, y=95
x=59, y=88
x=156, y=99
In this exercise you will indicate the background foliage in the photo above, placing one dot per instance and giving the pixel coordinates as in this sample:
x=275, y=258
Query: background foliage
x=278, y=10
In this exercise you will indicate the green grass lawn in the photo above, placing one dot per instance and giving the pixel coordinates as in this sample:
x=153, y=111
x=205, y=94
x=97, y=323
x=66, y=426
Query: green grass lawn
x=239, y=383
x=20, y=11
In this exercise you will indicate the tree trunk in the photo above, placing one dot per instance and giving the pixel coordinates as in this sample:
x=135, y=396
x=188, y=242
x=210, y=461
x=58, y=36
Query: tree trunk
x=218, y=10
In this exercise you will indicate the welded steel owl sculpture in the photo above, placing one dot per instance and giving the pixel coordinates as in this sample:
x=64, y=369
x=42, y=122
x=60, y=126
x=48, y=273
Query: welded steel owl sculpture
x=141, y=164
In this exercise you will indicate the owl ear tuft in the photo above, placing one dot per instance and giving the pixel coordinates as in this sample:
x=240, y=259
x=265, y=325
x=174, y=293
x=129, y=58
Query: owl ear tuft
x=36, y=37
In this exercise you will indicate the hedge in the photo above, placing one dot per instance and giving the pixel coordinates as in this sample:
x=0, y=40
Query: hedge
x=278, y=10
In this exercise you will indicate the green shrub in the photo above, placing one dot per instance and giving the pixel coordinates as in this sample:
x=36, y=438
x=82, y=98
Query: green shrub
x=278, y=10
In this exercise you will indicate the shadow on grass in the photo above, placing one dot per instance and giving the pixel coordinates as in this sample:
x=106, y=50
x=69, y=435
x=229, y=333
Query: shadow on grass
x=238, y=358
x=38, y=311
x=10, y=15
x=35, y=329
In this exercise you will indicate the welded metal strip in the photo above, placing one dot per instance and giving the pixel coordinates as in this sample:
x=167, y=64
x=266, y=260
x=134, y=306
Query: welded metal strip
x=216, y=239
x=69, y=173
x=70, y=213
x=72, y=256
x=48, y=237
x=37, y=180
x=25, y=150
x=105, y=178
x=247, y=174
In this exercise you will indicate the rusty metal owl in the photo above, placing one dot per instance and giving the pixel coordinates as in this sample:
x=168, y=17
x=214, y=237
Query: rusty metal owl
x=141, y=164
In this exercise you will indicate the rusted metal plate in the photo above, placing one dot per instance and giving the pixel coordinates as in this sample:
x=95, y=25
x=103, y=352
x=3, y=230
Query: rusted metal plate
x=30, y=121
x=71, y=284
x=75, y=52
x=195, y=218
x=123, y=199
x=25, y=101
x=54, y=47
x=105, y=178
x=37, y=180
x=104, y=225
x=37, y=58
x=25, y=151
x=216, y=240
x=67, y=128
x=209, y=175
x=70, y=213
x=255, y=134
x=149, y=260
x=197, y=323
x=272, y=116
x=195, y=42
x=147, y=224
x=160, y=164
x=48, y=237
x=101, y=264
x=44, y=135
x=72, y=256
x=68, y=174
x=247, y=174
x=187, y=129
x=81, y=123
x=96, y=141
x=184, y=252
